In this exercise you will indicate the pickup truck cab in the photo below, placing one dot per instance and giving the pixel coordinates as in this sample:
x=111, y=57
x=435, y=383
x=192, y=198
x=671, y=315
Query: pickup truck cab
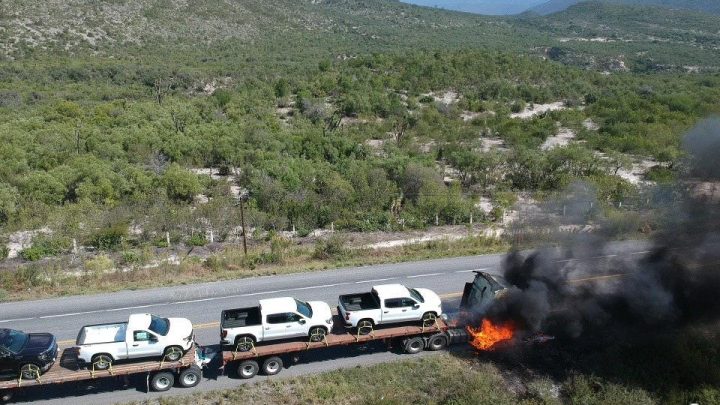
x=26, y=354
x=273, y=319
x=144, y=335
x=390, y=303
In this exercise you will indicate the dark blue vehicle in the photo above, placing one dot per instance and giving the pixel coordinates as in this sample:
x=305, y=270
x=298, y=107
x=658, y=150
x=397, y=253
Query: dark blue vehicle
x=26, y=353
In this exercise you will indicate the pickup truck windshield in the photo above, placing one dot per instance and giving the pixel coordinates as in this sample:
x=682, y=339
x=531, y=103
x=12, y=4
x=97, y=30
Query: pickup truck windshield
x=304, y=308
x=13, y=340
x=161, y=326
x=416, y=295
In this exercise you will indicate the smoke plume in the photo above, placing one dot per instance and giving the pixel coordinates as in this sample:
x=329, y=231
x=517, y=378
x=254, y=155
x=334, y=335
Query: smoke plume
x=578, y=289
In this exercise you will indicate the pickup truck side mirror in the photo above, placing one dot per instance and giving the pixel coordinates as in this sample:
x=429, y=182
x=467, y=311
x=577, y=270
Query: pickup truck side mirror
x=153, y=339
x=416, y=306
x=302, y=322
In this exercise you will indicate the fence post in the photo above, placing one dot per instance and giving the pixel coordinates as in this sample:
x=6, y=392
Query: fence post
x=212, y=236
x=437, y=220
x=167, y=238
x=471, y=218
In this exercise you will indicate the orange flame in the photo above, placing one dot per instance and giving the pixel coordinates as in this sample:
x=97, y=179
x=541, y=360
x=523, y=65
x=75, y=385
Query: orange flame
x=489, y=334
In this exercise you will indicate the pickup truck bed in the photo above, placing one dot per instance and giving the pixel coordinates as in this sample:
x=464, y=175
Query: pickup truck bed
x=106, y=333
x=359, y=302
x=241, y=317
x=66, y=370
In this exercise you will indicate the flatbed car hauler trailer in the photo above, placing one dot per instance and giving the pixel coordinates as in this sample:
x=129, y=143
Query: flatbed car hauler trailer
x=268, y=359
x=161, y=374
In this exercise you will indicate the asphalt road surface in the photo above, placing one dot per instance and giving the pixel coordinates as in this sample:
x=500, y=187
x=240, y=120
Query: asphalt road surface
x=202, y=303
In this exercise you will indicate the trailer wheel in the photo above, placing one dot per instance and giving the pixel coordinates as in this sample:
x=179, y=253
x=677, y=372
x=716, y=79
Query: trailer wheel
x=101, y=361
x=173, y=353
x=29, y=371
x=437, y=342
x=317, y=334
x=272, y=365
x=162, y=381
x=414, y=345
x=190, y=377
x=248, y=369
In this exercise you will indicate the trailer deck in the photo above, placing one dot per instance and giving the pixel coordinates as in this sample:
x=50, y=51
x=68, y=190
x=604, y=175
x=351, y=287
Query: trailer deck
x=66, y=370
x=342, y=338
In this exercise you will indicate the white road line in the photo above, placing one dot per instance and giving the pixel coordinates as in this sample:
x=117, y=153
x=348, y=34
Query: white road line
x=319, y=286
x=471, y=270
x=72, y=314
x=126, y=308
x=16, y=319
x=376, y=280
x=426, y=275
x=641, y=253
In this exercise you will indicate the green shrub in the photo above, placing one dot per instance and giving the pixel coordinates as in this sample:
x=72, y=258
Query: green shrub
x=130, y=257
x=330, y=248
x=99, y=264
x=198, y=240
x=109, y=238
x=43, y=247
x=4, y=252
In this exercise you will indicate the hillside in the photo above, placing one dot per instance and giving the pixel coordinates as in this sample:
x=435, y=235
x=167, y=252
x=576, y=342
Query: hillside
x=707, y=6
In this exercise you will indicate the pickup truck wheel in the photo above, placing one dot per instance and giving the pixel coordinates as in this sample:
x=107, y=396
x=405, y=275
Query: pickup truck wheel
x=173, y=353
x=244, y=343
x=437, y=342
x=29, y=372
x=429, y=317
x=365, y=326
x=162, y=381
x=272, y=365
x=101, y=361
x=190, y=377
x=414, y=345
x=317, y=334
x=248, y=369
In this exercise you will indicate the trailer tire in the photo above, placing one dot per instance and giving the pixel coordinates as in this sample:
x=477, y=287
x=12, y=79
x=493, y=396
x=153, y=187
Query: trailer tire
x=190, y=377
x=27, y=371
x=272, y=365
x=437, y=342
x=248, y=369
x=101, y=361
x=317, y=334
x=162, y=381
x=173, y=353
x=414, y=345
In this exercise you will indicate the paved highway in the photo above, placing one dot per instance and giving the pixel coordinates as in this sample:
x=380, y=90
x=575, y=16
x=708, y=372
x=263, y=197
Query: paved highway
x=202, y=303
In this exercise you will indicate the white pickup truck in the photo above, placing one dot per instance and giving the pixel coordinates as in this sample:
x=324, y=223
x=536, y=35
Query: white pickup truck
x=144, y=335
x=273, y=319
x=390, y=303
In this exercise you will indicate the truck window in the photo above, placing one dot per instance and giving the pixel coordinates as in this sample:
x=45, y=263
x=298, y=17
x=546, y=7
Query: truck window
x=141, y=336
x=393, y=303
x=13, y=340
x=415, y=294
x=284, y=317
x=304, y=308
x=407, y=302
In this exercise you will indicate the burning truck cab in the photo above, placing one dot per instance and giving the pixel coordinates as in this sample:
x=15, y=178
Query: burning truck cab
x=484, y=289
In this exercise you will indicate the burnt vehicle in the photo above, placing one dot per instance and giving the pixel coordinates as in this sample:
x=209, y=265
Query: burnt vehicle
x=478, y=295
x=26, y=354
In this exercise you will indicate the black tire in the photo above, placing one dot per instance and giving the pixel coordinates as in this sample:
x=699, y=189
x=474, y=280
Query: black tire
x=272, y=365
x=173, y=353
x=428, y=316
x=248, y=369
x=248, y=343
x=437, y=342
x=364, y=326
x=27, y=371
x=162, y=381
x=414, y=345
x=190, y=377
x=317, y=334
x=101, y=361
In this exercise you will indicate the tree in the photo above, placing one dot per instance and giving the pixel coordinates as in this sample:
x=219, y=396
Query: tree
x=180, y=184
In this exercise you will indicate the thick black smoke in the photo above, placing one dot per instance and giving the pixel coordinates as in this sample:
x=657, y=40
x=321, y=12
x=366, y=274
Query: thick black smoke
x=578, y=289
